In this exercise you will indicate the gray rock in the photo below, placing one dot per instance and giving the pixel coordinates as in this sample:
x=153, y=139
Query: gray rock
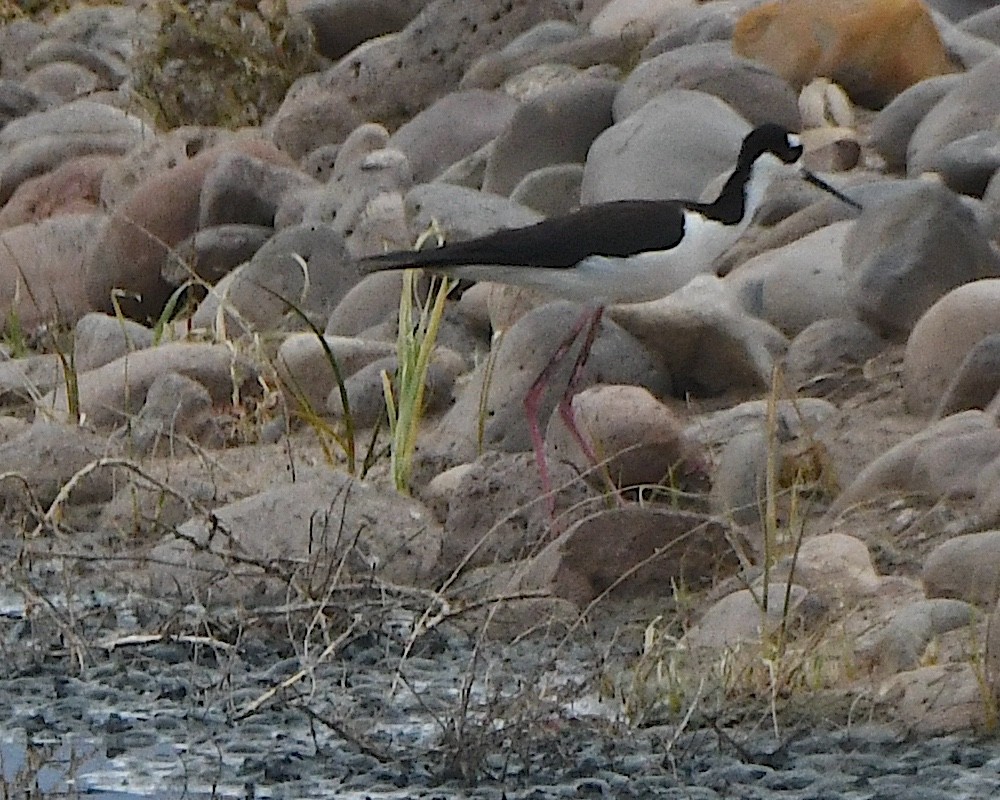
x=683, y=25
x=894, y=125
x=304, y=366
x=900, y=644
x=63, y=80
x=341, y=25
x=793, y=286
x=977, y=380
x=211, y=253
x=246, y=190
x=550, y=191
x=671, y=147
x=556, y=127
x=985, y=24
x=99, y=339
x=794, y=418
x=454, y=127
x=905, y=253
x=971, y=106
x=494, y=512
x=176, y=418
x=23, y=380
x=829, y=345
x=738, y=480
x=463, y=213
x=620, y=52
x=18, y=100
x=965, y=567
x=47, y=456
x=307, y=265
x=968, y=164
x=942, y=339
x=708, y=342
x=393, y=537
x=750, y=88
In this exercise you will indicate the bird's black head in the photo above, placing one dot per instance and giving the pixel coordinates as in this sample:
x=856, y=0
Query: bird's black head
x=771, y=138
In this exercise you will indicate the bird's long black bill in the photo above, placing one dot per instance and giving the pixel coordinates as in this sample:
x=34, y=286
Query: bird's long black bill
x=819, y=183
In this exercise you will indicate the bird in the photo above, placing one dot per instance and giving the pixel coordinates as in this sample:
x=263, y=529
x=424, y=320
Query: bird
x=621, y=251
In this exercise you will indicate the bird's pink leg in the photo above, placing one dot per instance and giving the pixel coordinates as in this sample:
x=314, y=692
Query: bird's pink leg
x=533, y=399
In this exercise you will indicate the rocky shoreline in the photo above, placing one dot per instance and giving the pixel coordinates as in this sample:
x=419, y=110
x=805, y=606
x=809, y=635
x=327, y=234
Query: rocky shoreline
x=205, y=559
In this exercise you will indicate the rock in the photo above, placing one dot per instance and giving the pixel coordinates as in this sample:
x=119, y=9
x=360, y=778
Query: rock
x=495, y=511
x=63, y=79
x=307, y=265
x=967, y=164
x=118, y=389
x=943, y=338
x=99, y=339
x=965, y=567
x=211, y=253
x=521, y=354
x=46, y=456
x=242, y=189
x=977, y=380
x=22, y=380
x=632, y=552
x=40, y=142
x=639, y=440
x=671, y=147
x=288, y=525
x=739, y=478
x=304, y=366
x=936, y=700
x=551, y=191
x=836, y=567
x=393, y=78
x=161, y=212
x=942, y=461
x=829, y=346
x=903, y=254
x=366, y=395
x=793, y=419
x=556, y=127
x=41, y=266
x=900, y=644
x=798, y=284
x=830, y=149
x=175, y=419
x=341, y=25
x=708, y=343
x=523, y=73
x=74, y=187
x=970, y=106
x=873, y=49
x=618, y=16
x=758, y=94
x=463, y=213
x=740, y=618
x=142, y=509
x=371, y=301
x=18, y=100
x=454, y=127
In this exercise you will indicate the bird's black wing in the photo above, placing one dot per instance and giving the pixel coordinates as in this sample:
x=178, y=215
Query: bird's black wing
x=620, y=228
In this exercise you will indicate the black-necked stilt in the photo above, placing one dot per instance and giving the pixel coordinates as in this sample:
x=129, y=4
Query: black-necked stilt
x=626, y=251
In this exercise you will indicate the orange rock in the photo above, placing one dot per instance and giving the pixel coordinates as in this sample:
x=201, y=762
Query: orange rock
x=874, y=48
